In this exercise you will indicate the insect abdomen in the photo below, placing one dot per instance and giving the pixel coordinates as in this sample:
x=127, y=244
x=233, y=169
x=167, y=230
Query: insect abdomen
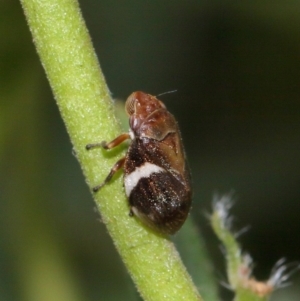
x=161, y=201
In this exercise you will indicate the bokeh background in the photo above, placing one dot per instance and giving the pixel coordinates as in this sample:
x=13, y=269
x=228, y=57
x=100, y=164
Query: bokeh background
x=236, y=66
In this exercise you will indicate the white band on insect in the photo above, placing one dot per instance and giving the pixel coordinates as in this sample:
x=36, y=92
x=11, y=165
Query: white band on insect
x=144, y=171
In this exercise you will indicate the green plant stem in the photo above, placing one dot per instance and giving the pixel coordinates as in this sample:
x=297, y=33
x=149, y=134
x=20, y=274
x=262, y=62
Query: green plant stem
x=66, y=52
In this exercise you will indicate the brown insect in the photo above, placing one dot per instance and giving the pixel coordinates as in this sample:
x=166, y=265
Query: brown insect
x=156, y=177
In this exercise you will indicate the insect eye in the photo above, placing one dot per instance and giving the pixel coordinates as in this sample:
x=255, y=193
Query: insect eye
x=130, y=106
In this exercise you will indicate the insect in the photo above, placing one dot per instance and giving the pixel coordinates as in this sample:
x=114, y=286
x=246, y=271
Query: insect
x=156, y=177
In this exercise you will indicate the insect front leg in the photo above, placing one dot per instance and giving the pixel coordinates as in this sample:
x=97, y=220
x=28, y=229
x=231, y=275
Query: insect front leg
x=111, y=144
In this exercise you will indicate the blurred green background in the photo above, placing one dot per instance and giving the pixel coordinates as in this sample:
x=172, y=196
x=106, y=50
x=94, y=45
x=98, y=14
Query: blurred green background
x=236, y=66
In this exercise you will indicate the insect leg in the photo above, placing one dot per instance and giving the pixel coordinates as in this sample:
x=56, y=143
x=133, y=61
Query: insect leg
x=118, y=165
x=111, y=144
